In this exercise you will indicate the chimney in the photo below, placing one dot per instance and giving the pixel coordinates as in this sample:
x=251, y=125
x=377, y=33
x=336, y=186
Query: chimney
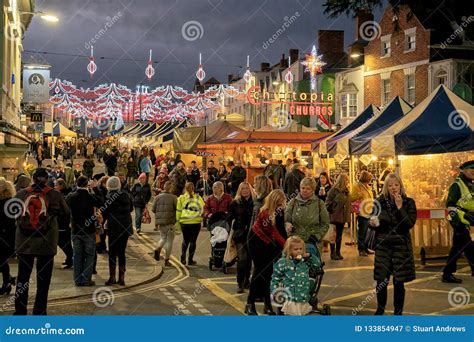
x=283, y=61
x=264, y=66
x=331, y=46
x=294, y=55
x=230, y=78
x=361, y=17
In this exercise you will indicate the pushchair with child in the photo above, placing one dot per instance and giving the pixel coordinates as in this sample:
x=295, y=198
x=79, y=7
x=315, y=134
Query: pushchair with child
x=220, y=230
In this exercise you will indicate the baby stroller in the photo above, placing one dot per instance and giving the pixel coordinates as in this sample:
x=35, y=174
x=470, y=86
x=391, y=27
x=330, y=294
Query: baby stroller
x=316, y=277
x=220, y=230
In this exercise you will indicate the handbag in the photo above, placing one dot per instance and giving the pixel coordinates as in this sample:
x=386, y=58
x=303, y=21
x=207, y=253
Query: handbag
x=231, y=249
x=355, y=207
x=146, y=218
x=370, y=238
x=330, y=235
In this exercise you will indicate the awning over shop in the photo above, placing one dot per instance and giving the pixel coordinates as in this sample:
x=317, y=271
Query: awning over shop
x=221, y=129
x=132, y=128
x=256, y=139
x=137, y=131
x=441, y=123
x=359, y=123
x=361, y=142
x=59, y=130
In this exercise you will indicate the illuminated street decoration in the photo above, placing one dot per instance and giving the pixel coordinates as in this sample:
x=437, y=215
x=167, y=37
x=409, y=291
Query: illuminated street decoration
x=248, y=74
x=200, y=74
x=92, y=67
x=289, y=75
x=313, y=64
x=150, y=71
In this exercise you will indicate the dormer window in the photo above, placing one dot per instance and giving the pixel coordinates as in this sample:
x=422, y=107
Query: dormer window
x=410, y=39
x=386, y=49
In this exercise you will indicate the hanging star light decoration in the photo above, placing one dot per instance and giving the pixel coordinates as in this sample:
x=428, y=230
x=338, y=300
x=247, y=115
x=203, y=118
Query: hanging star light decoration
x=200, y=74
x=150, y=71
x=313, y=64
x=92, y=67
x=248, y=73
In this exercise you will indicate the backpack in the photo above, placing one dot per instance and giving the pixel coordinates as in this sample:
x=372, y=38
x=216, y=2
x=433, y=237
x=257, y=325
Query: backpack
x=35, y=211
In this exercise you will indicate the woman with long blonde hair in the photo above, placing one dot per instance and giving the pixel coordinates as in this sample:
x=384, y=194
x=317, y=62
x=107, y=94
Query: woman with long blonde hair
x=265, y=246
x=239, y=217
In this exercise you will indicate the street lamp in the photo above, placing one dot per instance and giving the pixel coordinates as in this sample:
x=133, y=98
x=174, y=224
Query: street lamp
x=42, y=15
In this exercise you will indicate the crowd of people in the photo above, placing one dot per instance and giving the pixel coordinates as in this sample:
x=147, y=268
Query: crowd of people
x=279, y=223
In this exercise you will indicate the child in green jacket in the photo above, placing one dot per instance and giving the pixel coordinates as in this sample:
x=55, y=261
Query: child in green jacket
x=291, y=284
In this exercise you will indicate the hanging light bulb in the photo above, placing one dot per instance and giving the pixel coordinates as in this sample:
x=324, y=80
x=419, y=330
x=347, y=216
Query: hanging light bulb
x=92, y=67
x=150, y=71
x=289, y=75
x=200, y=74
x=248, y=74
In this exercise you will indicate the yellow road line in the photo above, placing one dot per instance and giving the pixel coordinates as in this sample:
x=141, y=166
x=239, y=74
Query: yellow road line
x=224, y=295
x=464, y=307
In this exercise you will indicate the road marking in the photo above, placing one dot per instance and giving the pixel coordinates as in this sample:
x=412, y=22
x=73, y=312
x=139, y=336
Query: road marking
x=222, y=294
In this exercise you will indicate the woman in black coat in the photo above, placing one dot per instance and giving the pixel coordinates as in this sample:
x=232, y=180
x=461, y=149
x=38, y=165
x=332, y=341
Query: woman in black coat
x=393, y=247
x=7, y=231
x=117, y=213
x=240, y=215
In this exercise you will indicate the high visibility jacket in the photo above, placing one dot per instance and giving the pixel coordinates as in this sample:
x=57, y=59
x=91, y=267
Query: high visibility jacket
x=189, y=210
x=464, y=203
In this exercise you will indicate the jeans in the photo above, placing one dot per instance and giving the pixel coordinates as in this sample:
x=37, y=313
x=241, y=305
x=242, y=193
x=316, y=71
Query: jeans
x=44, y=271
x=84, y=255
x=166, y=239
x=362, y=226
x=138, y=217
x=190, y=235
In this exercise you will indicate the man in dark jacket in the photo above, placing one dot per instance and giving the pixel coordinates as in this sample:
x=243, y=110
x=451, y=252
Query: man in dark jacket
x=41, y=244
x=460, y=204
x=292, y=181
x=164, y=208
x=204, y=186
x=83, y=223
x=110, y=161
x=141, y=194
x=195, y=173
x=212, y=171
x=237, y=176
x=64, y=241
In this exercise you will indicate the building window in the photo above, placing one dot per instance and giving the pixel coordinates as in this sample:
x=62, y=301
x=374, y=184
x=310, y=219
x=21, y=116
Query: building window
x=385, y=46
x=410, y=39
x=410, y=88
x=348, y=105
x=441, y=78
x=385, y=91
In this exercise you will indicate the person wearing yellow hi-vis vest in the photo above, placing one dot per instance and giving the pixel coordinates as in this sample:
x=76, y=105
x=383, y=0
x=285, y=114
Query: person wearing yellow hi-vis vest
x=189, y=211
x=460, y=204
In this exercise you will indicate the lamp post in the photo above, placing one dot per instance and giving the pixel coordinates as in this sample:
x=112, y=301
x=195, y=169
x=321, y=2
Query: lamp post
x=42, y=15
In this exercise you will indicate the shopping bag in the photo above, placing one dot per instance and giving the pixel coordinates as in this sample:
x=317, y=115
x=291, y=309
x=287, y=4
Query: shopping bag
x=370, y=238
x=330, y=235
x=146, y=218
x=230, y=250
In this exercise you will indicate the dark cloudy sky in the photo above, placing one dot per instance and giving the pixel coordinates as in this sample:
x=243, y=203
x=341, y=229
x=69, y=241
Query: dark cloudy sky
x=231, y=30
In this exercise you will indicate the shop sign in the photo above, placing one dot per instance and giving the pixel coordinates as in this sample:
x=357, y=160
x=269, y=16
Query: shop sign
x=36, y=85
x=36, y=116
x=205, y=154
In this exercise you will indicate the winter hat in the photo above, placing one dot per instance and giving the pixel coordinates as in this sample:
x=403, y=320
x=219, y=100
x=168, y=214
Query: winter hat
x=164, y=170
x=467, y=165
x=41, y=175
x=113, y=183
x=142, y=175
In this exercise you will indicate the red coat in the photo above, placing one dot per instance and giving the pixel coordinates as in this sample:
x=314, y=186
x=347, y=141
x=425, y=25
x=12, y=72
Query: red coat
x=213, y=205
x=266, y=231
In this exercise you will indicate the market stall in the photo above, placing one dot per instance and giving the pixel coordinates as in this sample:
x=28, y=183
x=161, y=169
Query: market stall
x=430, y=143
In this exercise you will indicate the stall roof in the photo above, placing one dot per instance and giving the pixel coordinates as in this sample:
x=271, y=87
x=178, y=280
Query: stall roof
x=441, y=123
x=143, y=127
x=132, y=128
x=256, y=139
x=59, y=130
x=395, y=110
x=350, y=130
x=221, y=129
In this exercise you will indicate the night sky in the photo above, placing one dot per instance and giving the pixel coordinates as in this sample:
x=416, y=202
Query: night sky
x=231, y=30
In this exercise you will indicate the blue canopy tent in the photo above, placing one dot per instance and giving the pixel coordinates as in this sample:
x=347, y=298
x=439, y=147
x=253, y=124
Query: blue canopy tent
x=334, y=144
x=441, y=123
x=158, y=129
x=144, y=132
x=361, y=142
